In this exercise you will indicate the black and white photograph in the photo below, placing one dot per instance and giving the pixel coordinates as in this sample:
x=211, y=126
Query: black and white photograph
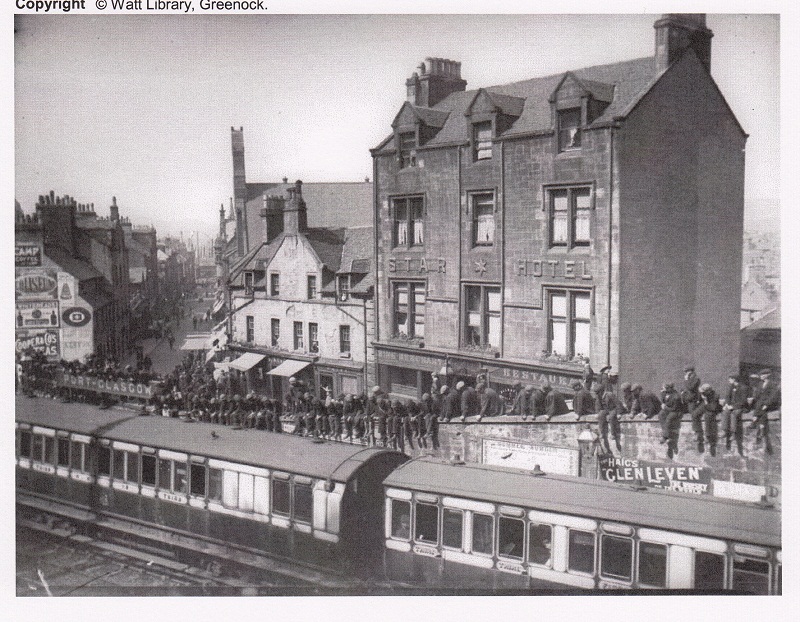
x=396, y=304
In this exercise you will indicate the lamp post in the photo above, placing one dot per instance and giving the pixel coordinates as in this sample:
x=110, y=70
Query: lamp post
x=588, y=444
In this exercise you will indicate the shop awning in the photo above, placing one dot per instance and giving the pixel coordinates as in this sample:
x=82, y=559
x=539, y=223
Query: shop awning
x=196, y=342
x=289, y=368
x=210, y=355
x=220, y=337
x=217, y=306
x=247, y=361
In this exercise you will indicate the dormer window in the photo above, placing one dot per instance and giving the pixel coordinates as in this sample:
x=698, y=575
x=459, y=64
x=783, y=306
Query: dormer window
x=343, y=287
x=569, y=129
x=408, y=149
x=248, y=283
x=482, y=140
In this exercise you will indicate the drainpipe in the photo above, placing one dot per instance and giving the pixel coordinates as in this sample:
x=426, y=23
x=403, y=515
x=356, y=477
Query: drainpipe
x=610, y=236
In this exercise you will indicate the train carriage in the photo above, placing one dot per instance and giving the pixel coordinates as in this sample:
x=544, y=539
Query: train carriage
x=275, y=493
x=487, y=528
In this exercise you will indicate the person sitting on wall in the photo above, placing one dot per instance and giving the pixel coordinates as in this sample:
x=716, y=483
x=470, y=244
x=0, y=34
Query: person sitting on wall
x=708, y=408
x=582, y=402
x=470, y=401
x=491, y=404
x=538, y=402
x=645, y=402
x=451, y=403
x=767, y=400
x=522, y=401
x=608, y=417
x=554, y=402
x=588, y=376
x=670, y=417
x=734, y=406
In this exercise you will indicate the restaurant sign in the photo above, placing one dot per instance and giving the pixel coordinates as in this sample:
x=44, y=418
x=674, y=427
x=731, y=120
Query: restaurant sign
x=690, y=479
x=114, y=387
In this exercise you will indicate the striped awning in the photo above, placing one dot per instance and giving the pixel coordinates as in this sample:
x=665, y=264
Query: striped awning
x=248, y=360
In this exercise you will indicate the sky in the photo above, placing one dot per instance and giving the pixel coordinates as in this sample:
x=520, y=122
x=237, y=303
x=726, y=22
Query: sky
x=140, y=106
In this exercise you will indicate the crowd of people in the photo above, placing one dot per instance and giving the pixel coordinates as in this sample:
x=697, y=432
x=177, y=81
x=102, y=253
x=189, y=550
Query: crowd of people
x=196, y=391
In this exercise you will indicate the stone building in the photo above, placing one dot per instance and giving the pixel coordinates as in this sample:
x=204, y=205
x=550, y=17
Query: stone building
x=595, y=214
x=301, y=303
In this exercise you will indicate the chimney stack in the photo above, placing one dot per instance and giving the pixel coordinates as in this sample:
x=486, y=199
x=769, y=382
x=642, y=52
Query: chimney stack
x=677, y=32
x=114, y=209
x=295, y=217
x=272, y=213
x=437, y=78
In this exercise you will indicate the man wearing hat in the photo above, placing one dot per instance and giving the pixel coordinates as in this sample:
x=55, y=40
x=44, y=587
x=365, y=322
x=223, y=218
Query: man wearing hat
x=582, y=401
x=768, y=399
x=491, y=404
x=690, y=393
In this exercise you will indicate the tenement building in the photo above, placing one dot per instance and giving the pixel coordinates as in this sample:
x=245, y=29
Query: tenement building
x=301, y=303
x=596, y=214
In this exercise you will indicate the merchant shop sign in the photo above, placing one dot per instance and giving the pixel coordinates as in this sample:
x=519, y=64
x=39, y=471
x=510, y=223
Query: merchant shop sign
x=114, y=387
x=673, y=477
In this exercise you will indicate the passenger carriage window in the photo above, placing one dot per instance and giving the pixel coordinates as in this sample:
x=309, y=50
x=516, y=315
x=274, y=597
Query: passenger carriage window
x=148, y=470
x=104, y=460
x=426, y=526
x=76, y=456
x=198, y=478
x=510, y=537
x=38, y=447
x=581, y=551
x=119, y=464
x=616, y=555
x=25, y=444
x=401, y=519
x=652, y=564
x=181, y=482
x=540, y=544
x=49, y=449
x=750, y=575
x=709, y=571
x=281, y=497
x=165, y=474
x=215, y=484
x=453, y=529
x=303, y=501
x=230, y=489
x=246, y=492
x=132, y=470
x=483, y=533
x=63, y=452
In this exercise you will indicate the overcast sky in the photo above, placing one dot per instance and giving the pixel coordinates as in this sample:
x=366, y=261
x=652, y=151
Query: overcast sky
x=140, y=107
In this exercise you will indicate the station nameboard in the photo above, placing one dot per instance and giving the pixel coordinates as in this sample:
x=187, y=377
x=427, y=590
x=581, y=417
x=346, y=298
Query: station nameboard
x=518, y=455
x=667, y=476
x=114, y=387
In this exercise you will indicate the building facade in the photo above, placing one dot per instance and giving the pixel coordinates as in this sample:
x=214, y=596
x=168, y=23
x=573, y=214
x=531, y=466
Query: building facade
x=301, y=304
x=524, y=229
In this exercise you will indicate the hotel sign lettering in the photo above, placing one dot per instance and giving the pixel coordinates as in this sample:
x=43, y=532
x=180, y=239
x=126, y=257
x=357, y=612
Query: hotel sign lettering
x=417, y=361
x=417, y=265
x=557, y=268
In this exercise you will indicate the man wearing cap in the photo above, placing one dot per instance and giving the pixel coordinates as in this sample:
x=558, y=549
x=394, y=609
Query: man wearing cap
x=431, y=420
x=491, y=404
x=734, y=406
x=582, y=401
x=626, y=399
x=554, y=402
x=768, y=399
x=451, y=403
x=470, y=401
x=604, y=379
x=708, y=409
x=538, y=401
x=670, y=418
x=588, y=376
x=523, y=401
x=690, y=393
x=645, y=402
x=609, y=417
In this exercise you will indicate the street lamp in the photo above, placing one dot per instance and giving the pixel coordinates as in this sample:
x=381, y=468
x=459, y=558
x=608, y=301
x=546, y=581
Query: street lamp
x=588, y=443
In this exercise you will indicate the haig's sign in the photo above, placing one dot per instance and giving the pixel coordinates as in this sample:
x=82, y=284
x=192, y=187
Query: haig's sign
x=691, y=479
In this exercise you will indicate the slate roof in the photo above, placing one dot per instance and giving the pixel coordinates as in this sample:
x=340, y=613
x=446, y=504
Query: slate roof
x=769, y=321
x=80, y=269
x=628, y=80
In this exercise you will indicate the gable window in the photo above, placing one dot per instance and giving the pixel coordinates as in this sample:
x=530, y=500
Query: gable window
x=344, y=339
x=482, y=316
x=298, y=336
x=483, y=219
x=408, y=149
x=482, y=140
x=569, y=318
x=311, y=286
x=248, y=283
x=313, y=337
x=275, y=332
x=343, y=286
x=251, y=328
x=409, y=309
x=274, y=284
x=570, y=212
x=408, y=221
x=569, y=129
